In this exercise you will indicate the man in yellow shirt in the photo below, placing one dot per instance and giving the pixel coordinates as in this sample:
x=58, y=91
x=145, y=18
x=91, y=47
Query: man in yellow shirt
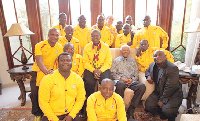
x=62, y=24
x=77, y=60
x=106, y=35
x=46, y=53
x=106, y=105
x=146, y=57
x=152, y=34
x=97, y=62
x=125, y=37
x=82, y=32
x=118, y=31
x=129, y=20
x=62, y=94
x=69, y=38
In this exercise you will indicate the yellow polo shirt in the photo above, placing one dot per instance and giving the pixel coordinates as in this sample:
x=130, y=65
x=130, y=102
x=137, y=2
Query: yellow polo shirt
x=74, y=41
x=146, y=58
x=60, y=29
x=49, y=55
x=115, y=37
x=153, y=35
x=122, y=40
x=58, y=96
x=99, y=109
x=83, y=35
x=77, y=65
x=105, y=58
x=106, y=35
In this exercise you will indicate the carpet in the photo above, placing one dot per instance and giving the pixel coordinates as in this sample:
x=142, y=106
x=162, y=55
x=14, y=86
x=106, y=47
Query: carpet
x=24, y=114
x=16, y=114
x=141, y=115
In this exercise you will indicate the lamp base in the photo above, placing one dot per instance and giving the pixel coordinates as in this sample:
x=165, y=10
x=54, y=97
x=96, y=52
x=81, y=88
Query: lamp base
x=25, y=67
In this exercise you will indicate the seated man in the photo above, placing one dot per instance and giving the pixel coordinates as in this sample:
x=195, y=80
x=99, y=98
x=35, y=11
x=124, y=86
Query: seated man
x=77, y=60
x=106, y=105
x=124, y=70
x=145, y=57
x=82, y=32
x=108, y=22
x=106, y=35
x=168, y=95
x=125, y=37
x=62, y=94
x=69, y=38
x=62, y=24
x=97, y=62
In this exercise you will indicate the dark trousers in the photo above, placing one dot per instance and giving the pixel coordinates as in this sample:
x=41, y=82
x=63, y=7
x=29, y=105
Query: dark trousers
x=34, y=95
x=169, y=110
x=90, y=81
x=137, y=87
x=77, y=118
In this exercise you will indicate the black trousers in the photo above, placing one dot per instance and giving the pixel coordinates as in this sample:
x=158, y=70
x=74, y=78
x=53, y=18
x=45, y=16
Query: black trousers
x=169, y=110
x=34, y=95
x=137, y=87
x=61, y=117
x=90, y=81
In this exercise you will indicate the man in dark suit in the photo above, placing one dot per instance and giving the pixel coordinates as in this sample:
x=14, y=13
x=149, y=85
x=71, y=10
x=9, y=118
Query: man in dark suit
x=168, y=95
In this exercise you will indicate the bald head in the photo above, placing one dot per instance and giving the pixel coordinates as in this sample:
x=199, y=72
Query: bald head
x=69, y=48
x=69, y=32
x=159, y=57
x=106, y=88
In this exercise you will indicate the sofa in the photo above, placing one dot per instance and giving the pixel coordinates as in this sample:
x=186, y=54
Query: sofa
x=115, y=52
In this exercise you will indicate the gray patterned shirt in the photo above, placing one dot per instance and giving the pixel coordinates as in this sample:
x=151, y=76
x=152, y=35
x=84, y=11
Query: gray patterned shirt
x=124, y=67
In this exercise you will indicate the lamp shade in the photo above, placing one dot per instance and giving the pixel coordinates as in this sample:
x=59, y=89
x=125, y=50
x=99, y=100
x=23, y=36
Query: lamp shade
x=195, y=27
x=18, y=29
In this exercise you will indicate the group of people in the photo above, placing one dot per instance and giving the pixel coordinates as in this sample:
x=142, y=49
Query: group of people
x=63, y=83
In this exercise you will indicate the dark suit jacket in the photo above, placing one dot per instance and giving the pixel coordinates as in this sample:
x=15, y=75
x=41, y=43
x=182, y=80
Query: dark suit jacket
x=168, y=82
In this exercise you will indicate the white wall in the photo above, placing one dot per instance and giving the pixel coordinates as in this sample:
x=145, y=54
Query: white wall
x=4, y=75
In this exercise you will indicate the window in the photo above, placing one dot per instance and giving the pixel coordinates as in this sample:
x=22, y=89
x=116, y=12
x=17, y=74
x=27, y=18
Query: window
x=178, y=37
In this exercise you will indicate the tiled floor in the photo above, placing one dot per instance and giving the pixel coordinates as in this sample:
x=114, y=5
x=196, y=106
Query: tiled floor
x=9, y=99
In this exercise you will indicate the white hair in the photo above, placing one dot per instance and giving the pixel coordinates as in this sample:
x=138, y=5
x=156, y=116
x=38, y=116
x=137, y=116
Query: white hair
x=124, y=46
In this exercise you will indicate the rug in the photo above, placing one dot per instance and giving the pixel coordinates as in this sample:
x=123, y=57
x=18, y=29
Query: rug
x=16, y=114
x=141, y=115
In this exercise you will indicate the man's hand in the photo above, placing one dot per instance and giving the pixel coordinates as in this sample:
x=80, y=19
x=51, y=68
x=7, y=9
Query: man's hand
x=97, y=73
x=138, y=52
x=68, y=118
x=149, y=79
x=160, y=104
x=50, y=71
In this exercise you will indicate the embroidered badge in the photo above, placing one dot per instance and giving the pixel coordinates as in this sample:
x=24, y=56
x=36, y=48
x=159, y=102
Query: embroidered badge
x=74, y=63
x=112, y=106
x=103, y=51
x=154, y=33
x=74, y=86
x=56, y=52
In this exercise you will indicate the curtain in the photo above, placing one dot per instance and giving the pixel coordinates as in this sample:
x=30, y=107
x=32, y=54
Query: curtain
x=95, y=6
x=64, y=7
x=129, y=9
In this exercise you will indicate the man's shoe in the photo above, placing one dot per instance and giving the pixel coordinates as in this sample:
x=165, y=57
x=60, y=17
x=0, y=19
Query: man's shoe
x=37, y=118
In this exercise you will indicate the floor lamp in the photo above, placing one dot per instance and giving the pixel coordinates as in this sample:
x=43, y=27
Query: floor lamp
x=19, y=29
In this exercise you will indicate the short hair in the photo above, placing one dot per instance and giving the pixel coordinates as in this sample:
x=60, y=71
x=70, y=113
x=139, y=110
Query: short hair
x=157, y=51
x=100, y=16
x=126, y=25
x=62, y=14
x=68, y=26
x=67, y=45
x=109, y=16
x=96, y=30
x=144, y=40
x=80, y=16
x=128, y=17
x=64, y=53
x=107, y=80
x=53, y=29
x=124, y=46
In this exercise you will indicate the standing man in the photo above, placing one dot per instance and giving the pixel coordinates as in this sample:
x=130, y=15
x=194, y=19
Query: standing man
x=106, y=105
x=152, y=34
x=106, y=35
x=62, y=94
x=77, y=60
x=125, y=72
x=167, y=96
x=46, y=53
x=69, y=38
x=129, y=20
x=62, y=24
x=82, y=32
x=97, y=62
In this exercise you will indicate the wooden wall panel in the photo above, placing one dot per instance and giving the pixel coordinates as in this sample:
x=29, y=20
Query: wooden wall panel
x=64, y=7
x=129, y=9
x=95, y=10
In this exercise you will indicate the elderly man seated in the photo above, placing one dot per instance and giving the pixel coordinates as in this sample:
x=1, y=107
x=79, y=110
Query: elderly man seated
x=144, y=56
x=124, y=70
x=106, y=105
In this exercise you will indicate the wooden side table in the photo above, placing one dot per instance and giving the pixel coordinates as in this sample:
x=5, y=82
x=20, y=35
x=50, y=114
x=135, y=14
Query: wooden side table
x=185, y=78
x=19, y=75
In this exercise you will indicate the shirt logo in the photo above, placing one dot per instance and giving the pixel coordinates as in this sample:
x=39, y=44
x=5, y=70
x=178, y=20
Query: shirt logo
x=74, y=86
x=154, y=33
x=56, y=52
x=74, y=63
x=112, y=106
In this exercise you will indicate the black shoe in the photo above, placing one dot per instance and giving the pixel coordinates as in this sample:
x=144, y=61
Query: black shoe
x=163, y=117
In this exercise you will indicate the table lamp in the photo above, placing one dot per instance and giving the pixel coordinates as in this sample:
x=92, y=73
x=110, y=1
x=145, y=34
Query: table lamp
x=19, y=29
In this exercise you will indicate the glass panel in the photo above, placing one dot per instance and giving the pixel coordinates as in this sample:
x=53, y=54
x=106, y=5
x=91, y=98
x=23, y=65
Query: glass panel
x=10, y=17
x=45, y=17
x=152, y=10
x=178, y=54
x=140, y=10
x=85, y=10
x=75, y=11
x=107, y=7
x=117, y=11
x=54, y=8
